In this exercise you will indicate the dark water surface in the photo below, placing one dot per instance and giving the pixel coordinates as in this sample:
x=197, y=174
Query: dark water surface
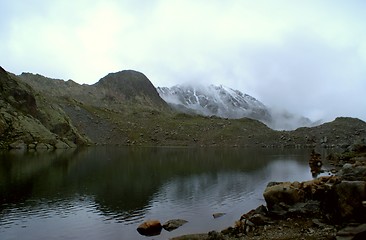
x=106, y=192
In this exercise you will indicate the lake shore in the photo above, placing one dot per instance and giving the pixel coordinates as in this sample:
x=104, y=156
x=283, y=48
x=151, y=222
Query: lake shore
x=328, y=207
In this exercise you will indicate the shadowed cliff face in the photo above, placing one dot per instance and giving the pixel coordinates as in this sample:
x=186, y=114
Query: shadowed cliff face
x=19, y=95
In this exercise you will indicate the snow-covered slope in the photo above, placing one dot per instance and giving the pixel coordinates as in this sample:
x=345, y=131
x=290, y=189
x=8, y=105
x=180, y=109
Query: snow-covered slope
x=226, y=102
x=210, y=100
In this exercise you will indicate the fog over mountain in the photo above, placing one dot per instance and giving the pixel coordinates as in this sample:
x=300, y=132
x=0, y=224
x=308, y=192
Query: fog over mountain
x=306, y=56
x=225, y=102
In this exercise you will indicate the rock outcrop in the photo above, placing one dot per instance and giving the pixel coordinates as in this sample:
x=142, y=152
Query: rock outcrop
x=130, y=85
x=328, y=207
x=27, y=120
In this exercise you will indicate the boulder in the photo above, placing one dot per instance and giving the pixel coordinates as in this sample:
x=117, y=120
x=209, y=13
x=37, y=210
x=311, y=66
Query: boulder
x=49, y=146
x=257, y=216
x=150, y=228
x=174, y=224
x=353, y=172
x=318, y=189
x=18, y=145
x=32, y=146
x=308, y=208
x=282, y=192
x=41, y=146
x=70, y=143
x=306, y=198
x=61, y=145
x=258, y=219
x=350, y=196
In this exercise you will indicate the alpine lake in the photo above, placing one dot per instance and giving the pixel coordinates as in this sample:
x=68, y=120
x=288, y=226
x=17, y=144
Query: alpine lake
x=107, y=192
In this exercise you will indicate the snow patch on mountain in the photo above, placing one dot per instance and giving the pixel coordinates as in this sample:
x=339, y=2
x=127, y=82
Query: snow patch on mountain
x=226, y=102
x=210, y=100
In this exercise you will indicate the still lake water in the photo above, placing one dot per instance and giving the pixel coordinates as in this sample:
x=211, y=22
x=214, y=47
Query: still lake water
x=106, y=192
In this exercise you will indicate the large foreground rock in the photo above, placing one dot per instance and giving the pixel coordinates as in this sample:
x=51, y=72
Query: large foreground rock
x=283, y=192
x=288, y=193
x=349, y=200
x=339, y=199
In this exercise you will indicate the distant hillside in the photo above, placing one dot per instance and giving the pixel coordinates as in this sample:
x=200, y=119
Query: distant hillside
x=114, y=90
x=124, y=108
x=108, y=111
x=338, y=133
x=226, y=102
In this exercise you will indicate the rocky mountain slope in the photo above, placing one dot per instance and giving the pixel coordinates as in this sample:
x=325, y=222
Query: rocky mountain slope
x=28, y=120
x=121, y=89
x=226, y=102
x=107, y=111
x=124, y=108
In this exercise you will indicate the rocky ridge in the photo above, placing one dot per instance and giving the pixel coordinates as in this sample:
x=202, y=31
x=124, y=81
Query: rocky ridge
x=124, y=108
x=114, y=91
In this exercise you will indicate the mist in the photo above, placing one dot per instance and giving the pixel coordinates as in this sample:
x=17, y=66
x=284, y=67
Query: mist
x=306, y=58
x=225, y=102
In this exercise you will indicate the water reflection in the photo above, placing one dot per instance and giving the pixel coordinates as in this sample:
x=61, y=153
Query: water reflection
x=95, y=190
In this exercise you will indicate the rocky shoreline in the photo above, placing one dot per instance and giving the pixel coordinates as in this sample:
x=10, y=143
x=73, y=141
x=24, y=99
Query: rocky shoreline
x=327, y=207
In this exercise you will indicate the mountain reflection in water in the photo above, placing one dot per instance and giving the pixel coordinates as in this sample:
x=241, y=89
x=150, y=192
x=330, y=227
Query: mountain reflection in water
x=106, y=192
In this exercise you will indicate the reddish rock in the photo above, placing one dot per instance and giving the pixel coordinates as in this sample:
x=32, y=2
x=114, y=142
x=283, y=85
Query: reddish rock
x=150, y=228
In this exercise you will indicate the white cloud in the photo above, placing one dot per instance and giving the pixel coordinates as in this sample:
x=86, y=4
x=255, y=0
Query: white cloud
x=307, y=56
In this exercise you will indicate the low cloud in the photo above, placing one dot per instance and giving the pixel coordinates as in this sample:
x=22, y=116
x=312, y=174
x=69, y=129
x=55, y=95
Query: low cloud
x=306, y=57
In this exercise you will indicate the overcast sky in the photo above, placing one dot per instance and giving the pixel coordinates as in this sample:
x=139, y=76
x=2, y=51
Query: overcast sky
x=308, y=57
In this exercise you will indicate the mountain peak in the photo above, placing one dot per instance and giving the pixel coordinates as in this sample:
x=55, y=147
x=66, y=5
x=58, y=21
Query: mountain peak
x=129, y=85
x=214, y=100
x=124, y=75
x=226, y=102
x=124, y=78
